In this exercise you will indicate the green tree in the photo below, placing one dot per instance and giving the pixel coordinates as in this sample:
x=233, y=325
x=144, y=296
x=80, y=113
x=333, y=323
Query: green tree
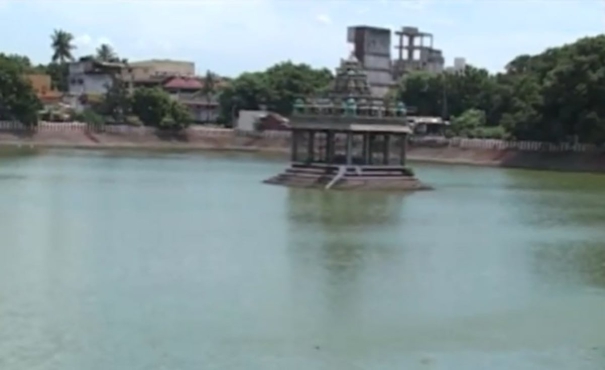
x=58, y=75
x=248, y=91
x=552, y=96
x=17, y=98
x=151, y=106
x=23, y=63
x=288, y=81
x=277, y=88
x=423, y=91
x=91, y=117
x=178, y=118
x=468, y=123
x=117, y=102
x=63, y=46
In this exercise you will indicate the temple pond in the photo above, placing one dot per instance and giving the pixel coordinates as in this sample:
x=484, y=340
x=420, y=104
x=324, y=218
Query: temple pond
x=156, y=261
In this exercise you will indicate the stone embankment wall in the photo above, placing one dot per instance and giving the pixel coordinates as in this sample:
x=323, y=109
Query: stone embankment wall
x=519, y=154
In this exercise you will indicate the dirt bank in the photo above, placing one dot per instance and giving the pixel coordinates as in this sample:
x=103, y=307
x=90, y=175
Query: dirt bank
x=143, y=139
x=278, y=143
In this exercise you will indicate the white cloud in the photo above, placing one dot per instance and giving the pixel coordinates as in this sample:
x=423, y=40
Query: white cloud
x=177, y=22
x=86, y=44
x=251, y=33
x=82, y=41
x=415, y=4
x=324, y=18
x=104, y=40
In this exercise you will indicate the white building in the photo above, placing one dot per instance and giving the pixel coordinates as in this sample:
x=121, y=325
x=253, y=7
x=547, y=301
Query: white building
x=459, y=64
x=90, y=77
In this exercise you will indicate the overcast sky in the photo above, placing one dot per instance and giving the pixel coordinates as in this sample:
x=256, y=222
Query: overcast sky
x=232, y=36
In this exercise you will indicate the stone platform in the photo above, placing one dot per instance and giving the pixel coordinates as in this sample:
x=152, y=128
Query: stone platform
x=341, y=177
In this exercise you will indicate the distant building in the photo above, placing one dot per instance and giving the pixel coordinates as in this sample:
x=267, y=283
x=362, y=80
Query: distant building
x=189, y=92
x=260, y=120
x=248, y=119
x=459, y=64
x=145, y=69
x=153, y=72
x=273, y=122
x=372, y=48
x=428, y=126
x=89, y=79
x=42, y=85
x=92, y=77
x=179, y=80
x=416, y=53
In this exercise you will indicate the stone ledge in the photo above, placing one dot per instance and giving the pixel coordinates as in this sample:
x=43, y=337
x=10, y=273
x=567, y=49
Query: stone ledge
x=390, y=183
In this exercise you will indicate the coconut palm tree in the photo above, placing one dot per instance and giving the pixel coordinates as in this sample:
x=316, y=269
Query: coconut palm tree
x=62, y=45
x=105, y=53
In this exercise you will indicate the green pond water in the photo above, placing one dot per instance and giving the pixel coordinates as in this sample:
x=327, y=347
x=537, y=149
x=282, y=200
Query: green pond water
x=118, y=261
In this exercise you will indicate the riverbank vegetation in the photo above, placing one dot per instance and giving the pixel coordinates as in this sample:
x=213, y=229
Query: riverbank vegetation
x=17, y=98
x=18, y=101
x=552, y=96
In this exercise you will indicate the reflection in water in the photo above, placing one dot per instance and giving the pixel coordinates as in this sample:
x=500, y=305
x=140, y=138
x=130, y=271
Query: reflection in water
x=333, y=237
x=348, y=223
x=578, y=263
x=14, y=153
x=456, y=270
x=11, y=159
x=333, y=209
x=565, y=213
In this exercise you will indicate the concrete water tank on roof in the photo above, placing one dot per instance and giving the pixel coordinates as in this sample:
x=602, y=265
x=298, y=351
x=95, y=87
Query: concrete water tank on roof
x=459, y=63
x=410, y=30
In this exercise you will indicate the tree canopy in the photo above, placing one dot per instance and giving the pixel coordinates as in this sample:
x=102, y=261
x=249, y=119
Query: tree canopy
x=552, y=96
x=106, y=53
x=154, y=108
x=17, y=98
x=62, y=44
x=276, y=88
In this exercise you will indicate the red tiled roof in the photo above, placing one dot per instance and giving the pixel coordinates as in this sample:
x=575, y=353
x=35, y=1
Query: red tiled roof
x=183, y=83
